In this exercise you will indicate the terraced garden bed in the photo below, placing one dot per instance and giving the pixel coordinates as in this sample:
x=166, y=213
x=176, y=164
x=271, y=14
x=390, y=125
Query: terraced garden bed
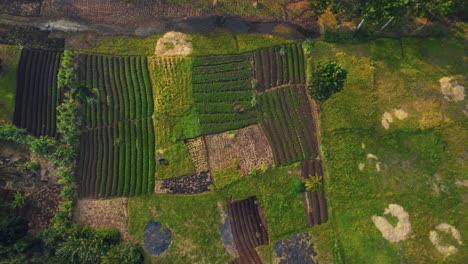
x=286, y=117
x=222, y=92
x=37, y=96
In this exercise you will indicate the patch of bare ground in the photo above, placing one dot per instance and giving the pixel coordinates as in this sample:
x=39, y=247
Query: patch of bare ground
x=434, y=236
x=451, y=89
x=173, y=44
x=394, y=233
x=249, y=145
x=103, y=213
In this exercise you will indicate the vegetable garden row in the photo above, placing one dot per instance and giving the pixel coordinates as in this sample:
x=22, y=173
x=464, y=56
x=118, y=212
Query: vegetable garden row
x=117, y=160
x=117, y=149
x=281, y=65
x=36, y=94
x=122, y=88
x=222, y=92
x=248, y=229
x=314, y=201
x=287, y=120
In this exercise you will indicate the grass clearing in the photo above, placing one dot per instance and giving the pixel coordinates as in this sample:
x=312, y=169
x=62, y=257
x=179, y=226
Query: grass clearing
x=194, y=221
x=10, y=56
x=414, y=154
x=116, y=45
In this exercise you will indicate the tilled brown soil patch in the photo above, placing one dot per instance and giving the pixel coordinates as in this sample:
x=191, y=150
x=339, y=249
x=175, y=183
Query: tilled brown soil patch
x=103, y=213
x=248, y=145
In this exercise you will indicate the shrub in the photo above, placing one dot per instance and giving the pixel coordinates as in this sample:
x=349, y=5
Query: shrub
x=327, y=80
x=11, y=133
x=81, y=251
x=308, y=45
x=126, y=253
x=19, y=199
x=314, y=183
x=108, y=235
x=66, y=74
x=297, y=185
x=64, y=156
x=67, y=122
x=42, y=146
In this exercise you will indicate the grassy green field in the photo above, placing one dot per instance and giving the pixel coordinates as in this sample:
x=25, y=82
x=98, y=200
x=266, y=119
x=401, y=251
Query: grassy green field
x=195, y=219
x=10, y=56
x=215, y=43
x=417, y=155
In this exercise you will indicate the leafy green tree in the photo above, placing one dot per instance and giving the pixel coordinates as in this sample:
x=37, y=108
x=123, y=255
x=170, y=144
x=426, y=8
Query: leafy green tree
x=327, y=80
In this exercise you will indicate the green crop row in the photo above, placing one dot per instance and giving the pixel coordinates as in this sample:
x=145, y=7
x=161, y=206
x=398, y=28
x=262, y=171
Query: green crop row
x=229, y=86
x=122, y=89
x=210, y=69
x=223, y=97
x=219, y=60
x=242, y=74
x=288, y=122
x=120, y=162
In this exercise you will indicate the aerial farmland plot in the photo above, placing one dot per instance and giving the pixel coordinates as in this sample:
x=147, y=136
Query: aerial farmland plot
x=233, y=132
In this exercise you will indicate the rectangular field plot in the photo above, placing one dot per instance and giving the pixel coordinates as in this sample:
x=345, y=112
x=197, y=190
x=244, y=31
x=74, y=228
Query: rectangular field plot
x=281, y=65
x=37, y=96
x=117, y=160
x=123, y=88
x=289, y=124
x=222, y=92
x=117, y=148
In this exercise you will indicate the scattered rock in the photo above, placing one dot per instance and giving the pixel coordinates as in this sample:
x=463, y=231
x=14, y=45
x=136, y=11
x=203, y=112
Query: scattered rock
x=296, y=249
x=435, y=239
x=389, y=232
x=451, y=90
x=157, y=240
x=173, y=44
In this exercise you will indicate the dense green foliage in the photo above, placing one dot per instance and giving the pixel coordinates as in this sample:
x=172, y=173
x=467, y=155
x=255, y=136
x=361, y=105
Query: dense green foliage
x=327, y=80
x=378, y=12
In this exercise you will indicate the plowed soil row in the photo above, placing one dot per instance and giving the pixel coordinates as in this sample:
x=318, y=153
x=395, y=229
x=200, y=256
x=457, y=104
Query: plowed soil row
x=37, y=96
x=287, y=120
x=314, y=202
x=117, y=160
x=248, y=229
